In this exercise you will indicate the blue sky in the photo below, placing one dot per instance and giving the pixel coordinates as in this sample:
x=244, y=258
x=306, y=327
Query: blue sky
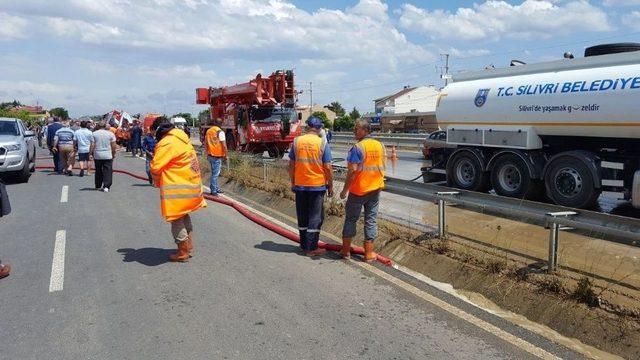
x=150, y=55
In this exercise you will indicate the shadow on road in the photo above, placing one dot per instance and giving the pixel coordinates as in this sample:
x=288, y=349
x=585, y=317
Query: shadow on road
x=141, y=185
x=146, y=256
x=275, y=247
x=89, y=189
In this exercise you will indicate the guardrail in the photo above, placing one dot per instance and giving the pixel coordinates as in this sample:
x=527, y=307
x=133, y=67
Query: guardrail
x=616, y=228
x=414, y=141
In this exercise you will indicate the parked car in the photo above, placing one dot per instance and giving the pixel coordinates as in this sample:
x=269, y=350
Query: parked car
x=17, y=149
x=436, y=140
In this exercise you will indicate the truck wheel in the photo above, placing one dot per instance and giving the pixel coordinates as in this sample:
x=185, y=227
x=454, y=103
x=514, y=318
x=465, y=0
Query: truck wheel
x=569, y=182
x=464, y=171
x=274, y=153
x=510, y=177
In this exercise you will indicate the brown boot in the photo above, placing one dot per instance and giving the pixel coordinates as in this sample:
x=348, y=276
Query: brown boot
x=345, y=252
x=369, y=255
x=5, y=269
x=182, y=255
x=190, y=244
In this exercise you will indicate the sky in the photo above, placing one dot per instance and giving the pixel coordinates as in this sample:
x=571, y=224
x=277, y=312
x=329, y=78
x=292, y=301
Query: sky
x=145, y=56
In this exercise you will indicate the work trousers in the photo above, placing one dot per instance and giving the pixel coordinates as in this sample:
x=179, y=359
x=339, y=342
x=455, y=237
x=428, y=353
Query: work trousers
x=216, y=164
x=310, y=211
x=104, y=173
x=354, y=207
x=181, y=228
x=147, y=167
x=135, y=147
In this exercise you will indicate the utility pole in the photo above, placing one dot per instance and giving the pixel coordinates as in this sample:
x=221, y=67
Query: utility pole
x=445, y=74
x=310, y=97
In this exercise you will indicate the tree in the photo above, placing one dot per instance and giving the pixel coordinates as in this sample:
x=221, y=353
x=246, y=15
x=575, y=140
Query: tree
x=337, y=108
x=10, y=104
x=322, y=116
x=354, y=114
x=344, y=123
x=204, y=116
x=60, y=112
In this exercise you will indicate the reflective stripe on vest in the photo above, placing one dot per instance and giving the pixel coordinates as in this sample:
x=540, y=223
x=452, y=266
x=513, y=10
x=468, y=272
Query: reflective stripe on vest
x=308, y=150
x=370, y=175
x=214, y=145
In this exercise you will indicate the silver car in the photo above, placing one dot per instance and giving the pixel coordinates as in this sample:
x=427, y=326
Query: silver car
x=17, y=149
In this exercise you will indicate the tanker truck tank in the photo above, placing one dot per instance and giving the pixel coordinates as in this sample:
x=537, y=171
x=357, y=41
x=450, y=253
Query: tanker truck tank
x=569, y=129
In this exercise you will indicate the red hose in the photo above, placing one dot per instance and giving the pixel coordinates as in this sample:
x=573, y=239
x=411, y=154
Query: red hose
x=261, y=221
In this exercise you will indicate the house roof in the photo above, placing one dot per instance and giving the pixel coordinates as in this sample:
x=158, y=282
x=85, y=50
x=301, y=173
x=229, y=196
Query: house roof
x=393, y=96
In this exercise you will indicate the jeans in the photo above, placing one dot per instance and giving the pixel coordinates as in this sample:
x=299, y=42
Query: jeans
x=104, y=173
x=216, y=164
x=147, y=167
x=353, y=207
x=310, y=211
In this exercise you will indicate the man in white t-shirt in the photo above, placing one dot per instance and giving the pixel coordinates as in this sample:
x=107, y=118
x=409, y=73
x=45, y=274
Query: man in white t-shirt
x=82, y=141
x=103, y=150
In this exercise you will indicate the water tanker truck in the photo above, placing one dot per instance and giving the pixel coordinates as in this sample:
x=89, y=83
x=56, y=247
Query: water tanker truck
x=566, y=130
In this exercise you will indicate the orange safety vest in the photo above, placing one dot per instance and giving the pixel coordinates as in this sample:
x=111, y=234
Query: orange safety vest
x=214, y=145
x=370, y=174
x=176, y=172
x=308, y=150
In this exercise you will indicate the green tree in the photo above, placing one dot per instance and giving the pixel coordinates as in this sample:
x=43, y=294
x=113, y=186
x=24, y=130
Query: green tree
x=344, y=123
x=204, y=116
x=322, y=116
x=10, y=104
x=354, y=114
x=337, y=108
x=60, y=112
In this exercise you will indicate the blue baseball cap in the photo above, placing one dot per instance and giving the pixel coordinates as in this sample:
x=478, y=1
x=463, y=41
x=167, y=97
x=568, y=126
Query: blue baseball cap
x=315, y=122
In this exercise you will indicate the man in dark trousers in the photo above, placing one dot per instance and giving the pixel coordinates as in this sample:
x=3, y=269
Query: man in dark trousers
x=311, y=177
x=51, y=133
x=136, y=138
x=5, y=209
x=103, y=151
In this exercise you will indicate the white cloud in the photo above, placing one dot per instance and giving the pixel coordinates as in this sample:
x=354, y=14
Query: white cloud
x=32, y=88
x=179, y=72
x=467, y=53
x=632, y=20
x=11, y=27
x=493, y=20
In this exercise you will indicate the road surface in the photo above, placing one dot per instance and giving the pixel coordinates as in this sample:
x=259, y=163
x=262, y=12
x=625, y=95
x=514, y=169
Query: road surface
x=91, y=281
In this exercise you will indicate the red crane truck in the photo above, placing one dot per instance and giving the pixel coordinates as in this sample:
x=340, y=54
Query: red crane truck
x=256, y=116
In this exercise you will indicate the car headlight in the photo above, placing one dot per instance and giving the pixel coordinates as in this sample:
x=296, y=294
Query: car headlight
x=13, y=147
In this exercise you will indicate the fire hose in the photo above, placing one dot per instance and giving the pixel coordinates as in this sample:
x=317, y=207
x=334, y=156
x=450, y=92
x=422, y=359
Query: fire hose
x=259, y=220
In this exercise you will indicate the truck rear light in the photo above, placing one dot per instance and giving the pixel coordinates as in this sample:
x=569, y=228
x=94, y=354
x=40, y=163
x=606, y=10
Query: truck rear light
x=202, y=96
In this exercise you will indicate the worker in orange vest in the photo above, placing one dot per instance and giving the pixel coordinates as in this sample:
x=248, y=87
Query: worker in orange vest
x=366, y=163
x=176, y=172
x=216, y=145
x=311, y=176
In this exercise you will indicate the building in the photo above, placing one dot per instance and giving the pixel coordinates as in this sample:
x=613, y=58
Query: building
x=304, y=110
x=412, y=109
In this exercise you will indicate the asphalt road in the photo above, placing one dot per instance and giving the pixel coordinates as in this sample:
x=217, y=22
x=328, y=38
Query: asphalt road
x=246, y=294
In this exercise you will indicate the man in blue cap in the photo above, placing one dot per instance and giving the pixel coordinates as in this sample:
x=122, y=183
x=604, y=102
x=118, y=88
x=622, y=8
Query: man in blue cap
x=311, y=177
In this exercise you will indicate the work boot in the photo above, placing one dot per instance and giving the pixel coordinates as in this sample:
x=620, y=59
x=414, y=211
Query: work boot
x=182, y=255
x=190, y=244
x=345, y=252
x=316, y=252
x=5, y=269
x=369, y=255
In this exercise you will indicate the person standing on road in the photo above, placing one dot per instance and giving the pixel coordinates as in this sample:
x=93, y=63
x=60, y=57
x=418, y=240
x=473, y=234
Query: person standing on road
x=176, y=172
x=5, y=209
x=82, y=139
x=136, y=136
x=216, y=146
x=103, y=151
x=51, y=132
x=63, y=145
x=366, y=162
x=311, y=176
x=148, y=146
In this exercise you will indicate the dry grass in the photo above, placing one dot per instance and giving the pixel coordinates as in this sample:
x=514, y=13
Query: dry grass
x=584, y=292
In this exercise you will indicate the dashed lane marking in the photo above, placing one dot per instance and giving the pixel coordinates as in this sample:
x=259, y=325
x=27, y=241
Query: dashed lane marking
x=57, y=266
x=64, y=195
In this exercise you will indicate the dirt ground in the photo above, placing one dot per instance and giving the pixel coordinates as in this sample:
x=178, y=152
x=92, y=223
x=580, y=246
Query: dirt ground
x=591, y=309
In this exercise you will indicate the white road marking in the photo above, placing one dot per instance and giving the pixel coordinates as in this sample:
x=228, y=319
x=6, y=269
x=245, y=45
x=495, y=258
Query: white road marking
x=492, y=329
x=57, y=266
x=64, y=196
